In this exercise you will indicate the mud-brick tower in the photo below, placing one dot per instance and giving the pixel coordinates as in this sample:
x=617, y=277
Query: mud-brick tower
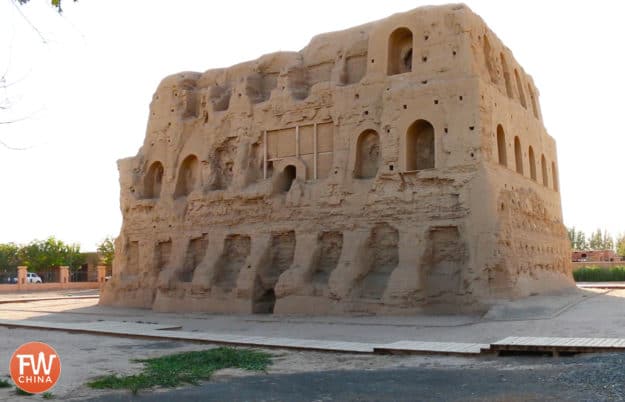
x=394, y=167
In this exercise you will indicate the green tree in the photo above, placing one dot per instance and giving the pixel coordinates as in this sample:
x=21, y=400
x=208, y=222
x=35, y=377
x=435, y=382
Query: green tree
x=72, y=257
x=572, y=237
x=106, y=251
x=580, y=242
x=596, y=240
x=9, y=258
x=43, y=255
x=577, y=239
x=620, y=244
x=608, y=241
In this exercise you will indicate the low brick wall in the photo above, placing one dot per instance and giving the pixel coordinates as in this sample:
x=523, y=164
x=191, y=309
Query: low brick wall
x=578, y=265
x=48, y=286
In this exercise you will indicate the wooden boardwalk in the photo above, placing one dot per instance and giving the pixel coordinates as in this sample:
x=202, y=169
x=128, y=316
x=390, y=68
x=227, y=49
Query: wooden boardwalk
x=558, y=345
x=449, y=348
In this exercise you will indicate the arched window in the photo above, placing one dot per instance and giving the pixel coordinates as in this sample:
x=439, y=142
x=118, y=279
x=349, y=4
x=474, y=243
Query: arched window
x=533, y=100
x=188, y=176
x=506, y=76
x=532, y=163
x=153, y=180
x=501, y=146
x=420, y=146
x=518, y=155
x=286, y=180
x=543, y=167
x=399, y=52
x=519, y=86
x=488, y=60
x=367, y=155
x=554, y=173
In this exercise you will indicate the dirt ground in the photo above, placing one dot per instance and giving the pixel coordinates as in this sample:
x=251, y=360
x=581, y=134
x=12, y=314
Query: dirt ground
x=316, y=376
x=596, y=313
x=84, y=357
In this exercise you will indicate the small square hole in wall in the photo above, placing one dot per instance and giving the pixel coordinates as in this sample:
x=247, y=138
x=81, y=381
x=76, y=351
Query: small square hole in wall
x=424, y=59
x=436, y=101
x=472, y=128
x=405, y=106
x=424, y=82
x=460, y=97
x=357, y=96
x=446, y=130
x=391, y=167
x=366, y=112
x=426, y=37
x=454, y=53
x=372, y=60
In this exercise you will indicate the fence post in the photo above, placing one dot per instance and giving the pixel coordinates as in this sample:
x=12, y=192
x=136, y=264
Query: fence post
x=101, y=274
x=21, y=276
x=63, y=276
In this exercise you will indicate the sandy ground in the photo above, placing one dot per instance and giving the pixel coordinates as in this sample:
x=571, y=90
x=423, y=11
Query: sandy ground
x=588, y=313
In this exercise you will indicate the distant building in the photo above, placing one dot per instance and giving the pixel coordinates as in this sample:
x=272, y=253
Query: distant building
x=594, y=256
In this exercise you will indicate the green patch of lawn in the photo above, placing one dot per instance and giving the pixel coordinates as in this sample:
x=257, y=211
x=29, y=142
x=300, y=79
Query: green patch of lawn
x=5, y=383
x=188, y=367
x=596, y=274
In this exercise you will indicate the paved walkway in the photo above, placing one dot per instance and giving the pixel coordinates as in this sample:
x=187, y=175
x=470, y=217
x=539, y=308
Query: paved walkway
x=601, y=285
x=579, y=314
x=31, y=296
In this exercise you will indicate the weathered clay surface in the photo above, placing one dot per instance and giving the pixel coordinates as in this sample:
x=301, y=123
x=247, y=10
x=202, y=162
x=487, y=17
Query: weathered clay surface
x=394, y=167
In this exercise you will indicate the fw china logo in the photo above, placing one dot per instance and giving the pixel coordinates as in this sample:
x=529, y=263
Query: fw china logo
x=35, y=367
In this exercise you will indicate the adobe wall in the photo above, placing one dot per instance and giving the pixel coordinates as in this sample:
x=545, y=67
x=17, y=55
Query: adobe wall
x=361, y=174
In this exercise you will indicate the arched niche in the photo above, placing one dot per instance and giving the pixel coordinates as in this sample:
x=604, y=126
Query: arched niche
x=288, y=176
x=153, y=181
x=519, y=85
x=533, y=100
x=400, y=51
x=285, y=171
x=420, y=150
x=518, y=155
x=367, y=155
x=188, y=176
x=543, y=167
x=532, y=159
x=501, y=146
x=506, y=76
x=554, y=174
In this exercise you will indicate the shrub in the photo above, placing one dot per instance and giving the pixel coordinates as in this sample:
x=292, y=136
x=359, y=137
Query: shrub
x=596, y=274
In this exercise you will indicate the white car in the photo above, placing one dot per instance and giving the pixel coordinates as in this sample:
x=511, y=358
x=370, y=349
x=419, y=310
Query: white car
x=33, y=278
